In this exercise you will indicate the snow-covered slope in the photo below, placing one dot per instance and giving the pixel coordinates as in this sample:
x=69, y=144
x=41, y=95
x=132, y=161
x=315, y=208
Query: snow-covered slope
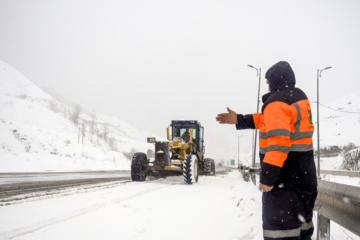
x=38, y=133
x=339, y=121
x=339, y=126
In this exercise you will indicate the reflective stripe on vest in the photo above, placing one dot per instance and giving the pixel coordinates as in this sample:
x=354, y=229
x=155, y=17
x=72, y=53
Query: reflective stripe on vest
x=293, y=148
x=285, y=133
x=300, y=141
x=282, y=233
x=288, y=233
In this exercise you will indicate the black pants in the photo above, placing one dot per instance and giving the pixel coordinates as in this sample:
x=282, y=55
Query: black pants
x=287, y=213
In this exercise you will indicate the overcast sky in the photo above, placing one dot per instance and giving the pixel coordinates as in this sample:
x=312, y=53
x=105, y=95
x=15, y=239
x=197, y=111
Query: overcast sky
x=149, y=62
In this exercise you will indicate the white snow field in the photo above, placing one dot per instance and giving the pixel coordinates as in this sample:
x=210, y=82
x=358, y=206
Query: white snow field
x=220, y=207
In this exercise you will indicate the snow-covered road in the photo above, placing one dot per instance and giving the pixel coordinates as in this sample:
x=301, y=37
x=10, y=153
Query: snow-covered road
x=10, y=178
x=220, y=207
x=216, y=208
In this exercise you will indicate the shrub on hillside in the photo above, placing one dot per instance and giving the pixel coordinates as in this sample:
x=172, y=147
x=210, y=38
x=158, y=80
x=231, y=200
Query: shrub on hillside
x=351, y=160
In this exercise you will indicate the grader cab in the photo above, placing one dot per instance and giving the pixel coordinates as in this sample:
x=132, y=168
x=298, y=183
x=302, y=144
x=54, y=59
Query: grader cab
x=183, y=153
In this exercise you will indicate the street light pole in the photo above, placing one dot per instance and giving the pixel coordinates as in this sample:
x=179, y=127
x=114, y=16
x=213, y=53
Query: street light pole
x=258, y=73
x=318, y=118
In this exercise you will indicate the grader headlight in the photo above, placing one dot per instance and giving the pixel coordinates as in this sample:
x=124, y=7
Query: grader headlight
x=151, y=140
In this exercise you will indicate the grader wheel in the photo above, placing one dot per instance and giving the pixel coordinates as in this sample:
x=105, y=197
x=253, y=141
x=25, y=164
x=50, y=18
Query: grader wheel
x=190, y=169
x=212, y=166
x=139, y=167
x=207, y=165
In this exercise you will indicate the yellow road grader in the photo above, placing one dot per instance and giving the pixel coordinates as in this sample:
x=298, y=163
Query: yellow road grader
x=183, y=153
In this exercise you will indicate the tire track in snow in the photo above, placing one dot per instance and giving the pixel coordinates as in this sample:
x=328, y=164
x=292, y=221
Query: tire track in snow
x=48, y=222
x=36, y=193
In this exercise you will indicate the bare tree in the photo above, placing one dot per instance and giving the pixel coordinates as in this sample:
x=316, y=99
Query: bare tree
x=112, y=143
x=83, y=130
x=75, y=114
x=106, y=131
x=92, y=124
x=351, y=160
x=349, y=146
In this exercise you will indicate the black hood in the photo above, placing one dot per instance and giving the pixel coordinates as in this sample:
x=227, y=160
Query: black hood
x=280, y=76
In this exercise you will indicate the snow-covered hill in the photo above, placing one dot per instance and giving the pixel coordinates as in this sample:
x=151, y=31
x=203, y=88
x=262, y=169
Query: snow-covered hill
x=339, y=126
x=38, y=133
x=340, y=121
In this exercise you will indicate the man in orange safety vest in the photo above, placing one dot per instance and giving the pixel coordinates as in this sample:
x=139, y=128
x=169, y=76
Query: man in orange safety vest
x=288, y=173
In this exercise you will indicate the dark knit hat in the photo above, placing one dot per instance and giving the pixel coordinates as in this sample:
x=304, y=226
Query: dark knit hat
x=280, y=76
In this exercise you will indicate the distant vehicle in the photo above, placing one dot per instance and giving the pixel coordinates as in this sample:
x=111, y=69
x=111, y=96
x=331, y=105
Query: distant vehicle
x=183, y=153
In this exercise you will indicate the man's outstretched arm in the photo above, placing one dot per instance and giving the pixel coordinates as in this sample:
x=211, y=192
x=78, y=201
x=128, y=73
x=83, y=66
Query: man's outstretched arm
x=227, y=118
x=248, y=121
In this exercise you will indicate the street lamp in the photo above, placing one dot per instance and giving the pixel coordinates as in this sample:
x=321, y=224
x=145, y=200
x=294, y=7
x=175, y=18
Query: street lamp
x=258, y=73
x=318, y=118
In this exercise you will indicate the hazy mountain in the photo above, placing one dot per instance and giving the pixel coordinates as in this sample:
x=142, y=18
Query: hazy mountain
x=38, y=132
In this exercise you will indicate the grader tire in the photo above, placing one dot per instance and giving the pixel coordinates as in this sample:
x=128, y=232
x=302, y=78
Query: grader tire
x=212, y=166
x=190, y=169
x=139, y=167
x=207, y=165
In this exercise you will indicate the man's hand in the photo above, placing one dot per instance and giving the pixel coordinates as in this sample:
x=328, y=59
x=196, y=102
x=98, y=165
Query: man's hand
x=229, y=118
x=265, y=188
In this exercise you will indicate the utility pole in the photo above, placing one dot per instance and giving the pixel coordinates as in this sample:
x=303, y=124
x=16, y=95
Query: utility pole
x=318, y=118
x=258, y=73
x=323, y=224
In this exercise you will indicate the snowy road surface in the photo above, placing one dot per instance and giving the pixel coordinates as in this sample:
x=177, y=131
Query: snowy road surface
x=220, y=207
x=20, y=187
x=10, y=178
x=217, y=208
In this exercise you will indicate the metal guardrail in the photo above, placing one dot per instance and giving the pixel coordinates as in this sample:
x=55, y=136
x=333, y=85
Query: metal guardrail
x=341, y=173
x=337, y=202
x=340, y=203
